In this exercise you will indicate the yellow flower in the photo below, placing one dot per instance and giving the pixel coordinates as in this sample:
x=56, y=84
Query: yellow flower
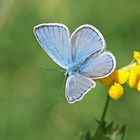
x=108, y=80
x=136, y=56
x=129, y=74
x=116, y=91
x=120, y=76
x=134, y=78
x=115, y=80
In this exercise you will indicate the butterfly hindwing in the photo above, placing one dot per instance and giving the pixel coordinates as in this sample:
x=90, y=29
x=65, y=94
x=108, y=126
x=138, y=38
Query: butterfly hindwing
x=54, y=39
x=77, y=86
x=99, y=67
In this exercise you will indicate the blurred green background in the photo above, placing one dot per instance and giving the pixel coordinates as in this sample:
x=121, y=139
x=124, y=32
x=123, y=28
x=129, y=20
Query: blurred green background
x=32, y=102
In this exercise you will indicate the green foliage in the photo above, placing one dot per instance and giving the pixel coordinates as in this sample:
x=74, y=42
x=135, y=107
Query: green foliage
x=106, y=132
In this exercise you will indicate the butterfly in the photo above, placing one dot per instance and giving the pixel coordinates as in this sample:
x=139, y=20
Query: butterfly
x=82, y=55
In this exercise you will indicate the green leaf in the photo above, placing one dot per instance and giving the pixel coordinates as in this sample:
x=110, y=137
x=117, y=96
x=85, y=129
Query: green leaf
x=109, y=132
x=106, y=132
x=86, y=136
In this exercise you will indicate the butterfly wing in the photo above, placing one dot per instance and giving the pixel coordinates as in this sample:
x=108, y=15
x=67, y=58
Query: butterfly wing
x=86, y=41
x=99, y=67
x=54, y=39
x=77, y=86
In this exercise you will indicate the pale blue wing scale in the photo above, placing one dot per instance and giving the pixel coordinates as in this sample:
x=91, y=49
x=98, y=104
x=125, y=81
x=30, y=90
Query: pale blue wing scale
x=54, y=39
x=77, y=86
x=99, y=67
x=86, y=41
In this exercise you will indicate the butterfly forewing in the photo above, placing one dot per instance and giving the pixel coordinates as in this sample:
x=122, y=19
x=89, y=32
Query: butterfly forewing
x=86, y=41
x=54, y=39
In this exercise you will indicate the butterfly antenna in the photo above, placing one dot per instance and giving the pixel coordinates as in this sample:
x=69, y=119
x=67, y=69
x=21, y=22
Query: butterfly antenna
x=55, y=70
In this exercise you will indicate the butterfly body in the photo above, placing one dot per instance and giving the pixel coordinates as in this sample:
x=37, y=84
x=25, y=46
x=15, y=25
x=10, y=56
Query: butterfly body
x=82, y=55
x=74, y=69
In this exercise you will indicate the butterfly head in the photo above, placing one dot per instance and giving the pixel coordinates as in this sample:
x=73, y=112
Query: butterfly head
x=72, y=70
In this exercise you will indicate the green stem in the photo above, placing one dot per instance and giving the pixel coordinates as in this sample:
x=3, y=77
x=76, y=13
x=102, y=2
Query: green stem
x=101, y=124
x=105, y=109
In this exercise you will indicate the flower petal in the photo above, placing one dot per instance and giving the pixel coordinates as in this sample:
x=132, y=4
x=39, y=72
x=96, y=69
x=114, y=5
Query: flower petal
x=134, y=76
x=107, y=80
x=116, y=91
x=137, y=56
x=121, y=76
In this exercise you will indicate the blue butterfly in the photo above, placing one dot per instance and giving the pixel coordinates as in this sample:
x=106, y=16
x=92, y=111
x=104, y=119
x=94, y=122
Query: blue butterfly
x=82, y=54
